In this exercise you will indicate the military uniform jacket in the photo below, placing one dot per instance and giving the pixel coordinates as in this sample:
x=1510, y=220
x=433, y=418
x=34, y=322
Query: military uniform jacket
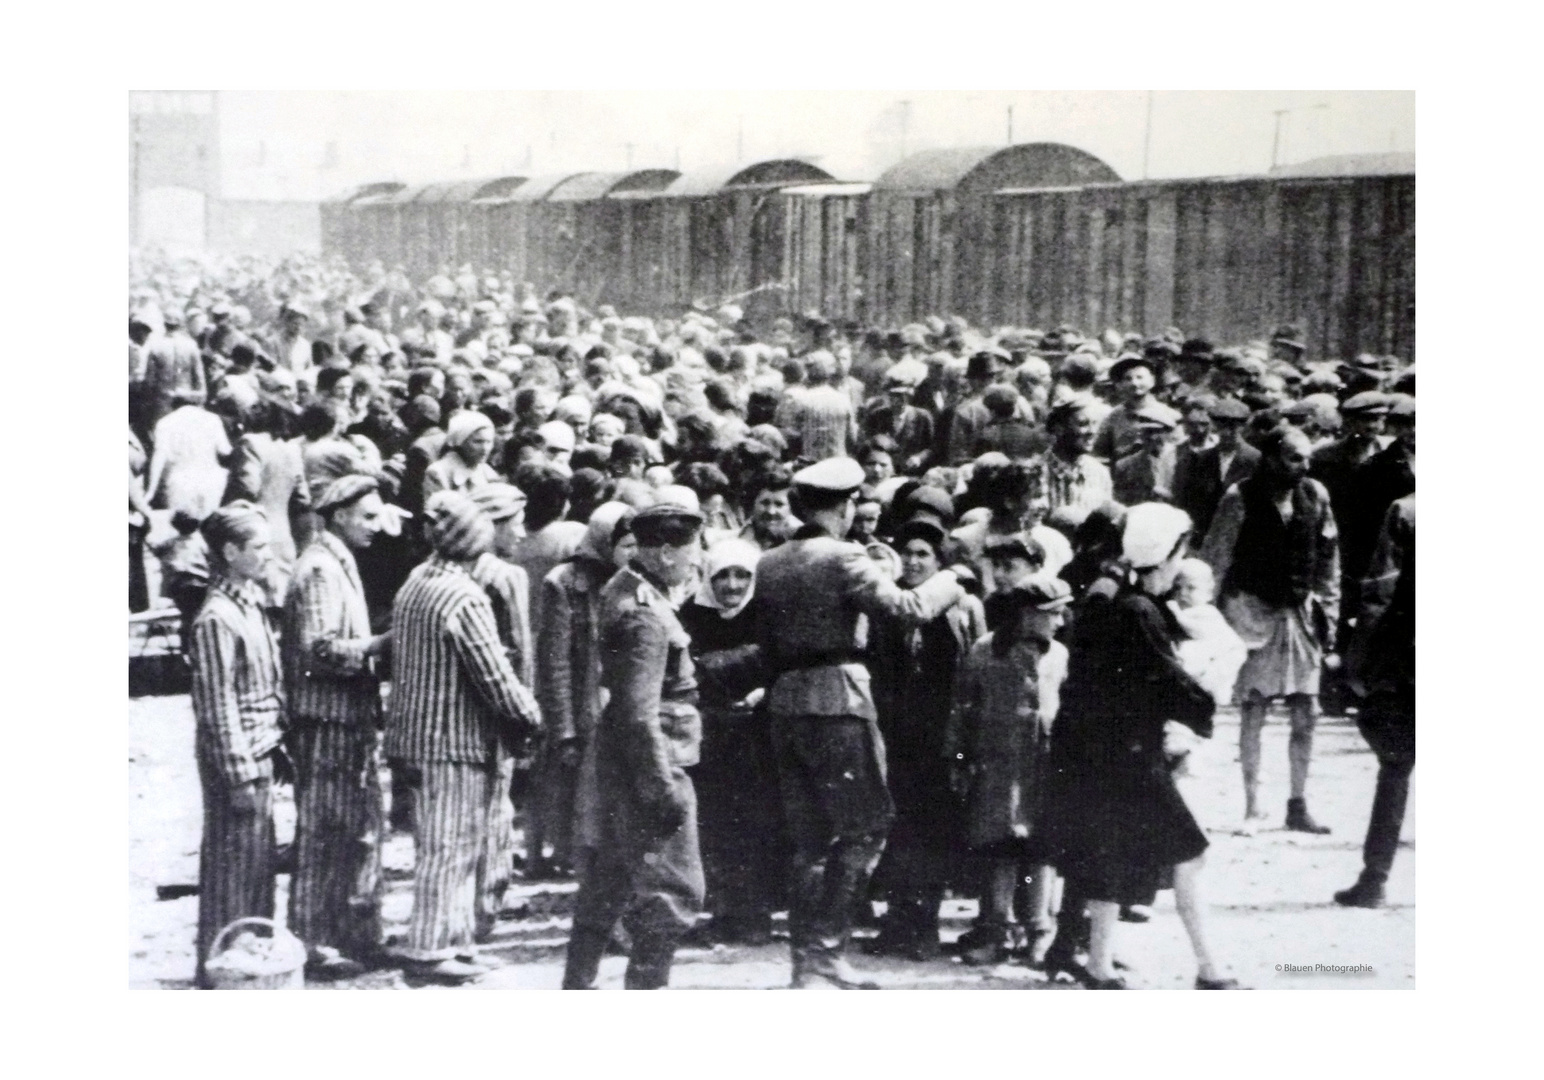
x=649, y=731
x=812, y=591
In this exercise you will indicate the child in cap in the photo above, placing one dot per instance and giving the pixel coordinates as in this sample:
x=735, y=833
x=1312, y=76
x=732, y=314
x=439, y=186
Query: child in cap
x=1007, y=696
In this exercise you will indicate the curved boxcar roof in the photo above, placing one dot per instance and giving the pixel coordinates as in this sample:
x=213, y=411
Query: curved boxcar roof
x=978, y=169
x=365, y=191
x=584, y=187
x=537, y=188
x=777, y=171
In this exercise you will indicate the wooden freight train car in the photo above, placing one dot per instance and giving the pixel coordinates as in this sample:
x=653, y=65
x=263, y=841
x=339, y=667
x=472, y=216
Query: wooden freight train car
x=1034, y=234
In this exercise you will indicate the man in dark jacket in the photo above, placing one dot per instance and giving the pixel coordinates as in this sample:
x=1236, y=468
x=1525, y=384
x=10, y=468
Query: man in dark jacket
x=1381, y=668
x=1202, y=474
x=1275, y=551
x=646, y=868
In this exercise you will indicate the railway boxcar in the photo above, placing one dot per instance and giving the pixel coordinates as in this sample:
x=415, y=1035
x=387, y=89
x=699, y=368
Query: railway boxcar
x=717, y=235
x=340, y=221
x=1223, y=258
x=931, y=214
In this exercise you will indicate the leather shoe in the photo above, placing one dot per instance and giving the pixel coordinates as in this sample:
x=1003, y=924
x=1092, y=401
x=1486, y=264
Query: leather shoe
x=1217, y=984
x=1299, y=820
x=454, y=971
x=1364, y=894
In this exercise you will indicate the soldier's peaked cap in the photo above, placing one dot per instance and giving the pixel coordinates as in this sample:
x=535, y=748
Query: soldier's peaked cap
x=833, y=474
x=666, y=523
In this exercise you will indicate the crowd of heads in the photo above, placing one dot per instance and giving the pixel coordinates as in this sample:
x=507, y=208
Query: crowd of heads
x=571, y=405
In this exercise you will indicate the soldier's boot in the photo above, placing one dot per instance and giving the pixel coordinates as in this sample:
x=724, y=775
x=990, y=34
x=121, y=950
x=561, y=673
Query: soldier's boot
x=585, y=948
x=648, y=968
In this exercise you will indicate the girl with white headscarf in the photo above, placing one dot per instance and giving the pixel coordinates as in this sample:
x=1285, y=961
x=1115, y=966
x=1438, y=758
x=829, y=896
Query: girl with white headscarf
x=463, y=464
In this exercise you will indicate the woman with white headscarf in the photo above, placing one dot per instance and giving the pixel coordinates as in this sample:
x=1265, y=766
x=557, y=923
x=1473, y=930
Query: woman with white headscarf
x=1115, y=821
x=736, y=778
x=463, y=464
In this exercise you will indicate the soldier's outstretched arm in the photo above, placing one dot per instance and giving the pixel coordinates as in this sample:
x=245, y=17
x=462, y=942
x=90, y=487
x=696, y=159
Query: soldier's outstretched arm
x=875, y=594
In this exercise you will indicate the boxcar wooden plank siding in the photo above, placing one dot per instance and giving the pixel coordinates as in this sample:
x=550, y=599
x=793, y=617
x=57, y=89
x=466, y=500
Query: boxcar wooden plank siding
x=1225, y=259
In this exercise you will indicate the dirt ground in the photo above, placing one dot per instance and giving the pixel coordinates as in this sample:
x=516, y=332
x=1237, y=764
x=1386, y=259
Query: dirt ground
x=1269, y=894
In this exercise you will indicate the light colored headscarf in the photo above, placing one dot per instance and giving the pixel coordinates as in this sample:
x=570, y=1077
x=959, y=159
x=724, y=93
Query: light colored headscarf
x=597, y=542
x=463, y=425
x=731, y=552
x=1152, y=531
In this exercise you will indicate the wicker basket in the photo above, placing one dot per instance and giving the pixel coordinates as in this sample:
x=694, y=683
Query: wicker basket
x=284, y=972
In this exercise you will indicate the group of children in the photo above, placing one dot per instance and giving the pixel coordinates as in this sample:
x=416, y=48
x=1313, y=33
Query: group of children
x=1008, y=694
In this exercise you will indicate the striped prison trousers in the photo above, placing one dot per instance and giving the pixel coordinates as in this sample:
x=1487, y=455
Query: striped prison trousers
x=336, y=891
x=451, y=838
x=496, y=866
x=236, y=857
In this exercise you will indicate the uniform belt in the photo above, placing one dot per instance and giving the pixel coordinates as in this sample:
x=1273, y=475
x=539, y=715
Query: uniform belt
x=807, y=661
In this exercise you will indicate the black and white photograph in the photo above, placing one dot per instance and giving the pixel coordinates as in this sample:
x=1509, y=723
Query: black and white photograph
x=824, y=539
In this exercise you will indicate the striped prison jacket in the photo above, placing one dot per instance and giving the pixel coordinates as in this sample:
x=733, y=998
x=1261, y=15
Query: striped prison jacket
x=454, y=692
x=237, y=693
x=326, y=628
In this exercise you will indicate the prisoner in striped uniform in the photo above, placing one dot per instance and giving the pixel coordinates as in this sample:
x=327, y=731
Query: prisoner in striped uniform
x=509, y=592
x=335, y=735
x=455, y=698
x=237, y=702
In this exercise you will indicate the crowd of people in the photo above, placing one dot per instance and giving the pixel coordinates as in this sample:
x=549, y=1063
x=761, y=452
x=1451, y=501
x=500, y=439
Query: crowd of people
x=726, y=619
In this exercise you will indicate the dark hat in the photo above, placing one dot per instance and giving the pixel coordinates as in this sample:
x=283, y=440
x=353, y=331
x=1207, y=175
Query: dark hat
x=1290, y=335
x=1367, y=403
x=1197, y=349
x=1230, y=409
x=1160, y=349
x=927, y=499
x=666, y=523
x=833, y=474
x=343, y=491
x=1014, y=546
x=1067, y=410
x=920, y=528
x=981, y=364
x=1126, y=363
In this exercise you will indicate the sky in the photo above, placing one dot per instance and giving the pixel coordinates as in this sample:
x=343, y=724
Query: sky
x=313, y=144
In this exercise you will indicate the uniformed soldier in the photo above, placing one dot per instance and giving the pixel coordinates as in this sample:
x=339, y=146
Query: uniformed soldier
x=829, y=752
x=645, y=868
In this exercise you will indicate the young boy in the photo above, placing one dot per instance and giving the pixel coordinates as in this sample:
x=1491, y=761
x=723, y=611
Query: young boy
x=1009, y=689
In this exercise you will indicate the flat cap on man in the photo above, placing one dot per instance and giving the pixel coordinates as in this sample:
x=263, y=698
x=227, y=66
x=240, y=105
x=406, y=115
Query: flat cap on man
x=1229, y=409
x=1152, y=417
x=833, y=474
x=1367, y=403
x=1401, y=407
x=1046, y=593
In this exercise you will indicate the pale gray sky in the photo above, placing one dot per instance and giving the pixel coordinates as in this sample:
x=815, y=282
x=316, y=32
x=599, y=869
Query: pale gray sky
x=275, y=144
